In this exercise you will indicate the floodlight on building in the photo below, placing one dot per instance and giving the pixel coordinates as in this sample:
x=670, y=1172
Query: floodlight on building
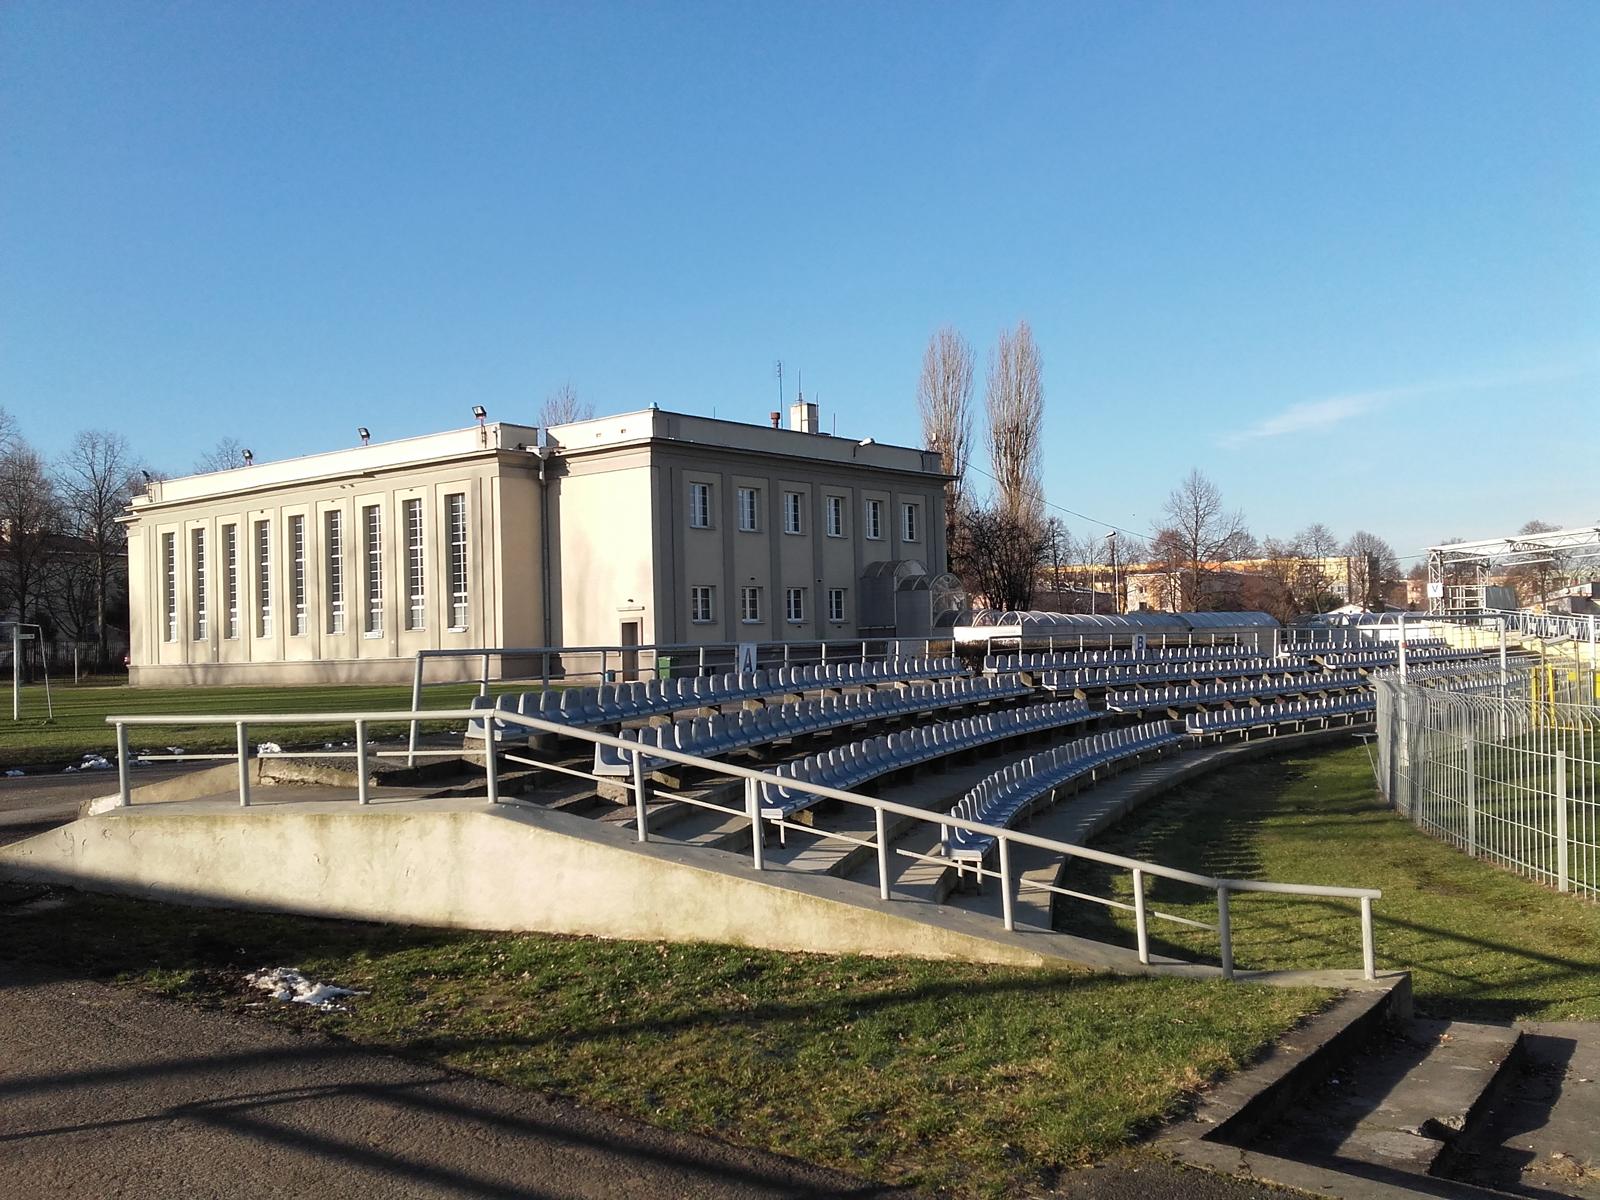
x=364, y=434
x=480, y=412
x=247, y=456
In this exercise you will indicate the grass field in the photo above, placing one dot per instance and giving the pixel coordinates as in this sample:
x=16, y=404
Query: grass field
x=1480, y=941
x=976, y=1081
x=79, y=726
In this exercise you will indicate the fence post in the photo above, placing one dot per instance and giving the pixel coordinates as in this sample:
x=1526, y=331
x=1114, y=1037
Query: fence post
x=752, y=806
x=416, y=706
x=1470, y=744
x=363, y=795
x=883, y=853
x=641, y=810
x=483, y=678
x=242, y=742
x=491, y=766
x=124, y=797
x=1140, y=926
x=1005, y=883
x=1225, y=933
x=1369, y=963
x=1563, y=865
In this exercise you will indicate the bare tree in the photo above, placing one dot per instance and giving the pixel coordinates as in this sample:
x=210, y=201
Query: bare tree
x=1015, y=407
x=1373, y=566
x=944, y=401
x=1199, y=535
x=96, y=481
x=562, y=407
x=28, y=542
x=224, y=456
x=8, y=430
x=1316, y=544
x=1280, y=576
x=1002, y=555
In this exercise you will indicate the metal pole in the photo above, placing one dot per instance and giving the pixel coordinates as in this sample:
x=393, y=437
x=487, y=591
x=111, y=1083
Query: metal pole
x=362, y=795
x=124, y=798
x=242, y=744
x=16, y=672
x=1369, y=962
x=1005, y=883
x=483, y=678
x=1141, y=927
x=883, y=854
x=491, y=768
x=1563, y=866
x=416, y=706
x=641, y=811
x=752, y=807
x=1470, y=747
x=1225, y=933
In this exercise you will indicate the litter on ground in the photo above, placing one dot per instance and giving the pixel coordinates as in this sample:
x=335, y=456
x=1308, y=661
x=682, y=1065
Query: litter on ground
x=285, y=983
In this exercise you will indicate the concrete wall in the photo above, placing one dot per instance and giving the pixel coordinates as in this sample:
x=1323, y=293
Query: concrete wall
x=459, y=864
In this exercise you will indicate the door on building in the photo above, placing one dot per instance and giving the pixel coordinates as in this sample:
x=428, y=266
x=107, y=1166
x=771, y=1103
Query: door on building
x=630, y=651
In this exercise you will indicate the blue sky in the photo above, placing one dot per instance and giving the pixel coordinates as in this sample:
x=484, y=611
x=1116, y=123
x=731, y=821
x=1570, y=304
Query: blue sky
x=1344, y=258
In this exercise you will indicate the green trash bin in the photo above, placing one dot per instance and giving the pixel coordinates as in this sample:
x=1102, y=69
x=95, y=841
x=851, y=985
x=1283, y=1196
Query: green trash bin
x=663, y=666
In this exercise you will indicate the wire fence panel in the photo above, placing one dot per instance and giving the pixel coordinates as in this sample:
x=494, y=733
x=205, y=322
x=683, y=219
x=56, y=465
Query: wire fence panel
x=1501, y=764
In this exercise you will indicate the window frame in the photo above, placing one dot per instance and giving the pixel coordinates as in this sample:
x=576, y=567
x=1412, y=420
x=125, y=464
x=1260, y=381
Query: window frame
x=749, y=504
x=416, y=543
x=199, y=592
x=169, y=585
x=299, y=614
x=872, y=520
x=700, y=506
x=337, y=598
x=230, y=582
x=835, y=516
x=372, y=606
x=836, y=604
x=794, y=521
x=910, y=521
x=702, y=592
x=456, y=561
x=794, y=605
x=263, y=579
x=750, y=605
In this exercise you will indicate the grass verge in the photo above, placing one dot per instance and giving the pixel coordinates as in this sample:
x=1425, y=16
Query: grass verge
x=1481, y=942
x=970, y=1080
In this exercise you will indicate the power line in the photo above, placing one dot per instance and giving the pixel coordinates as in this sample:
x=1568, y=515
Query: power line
x=1039, y=496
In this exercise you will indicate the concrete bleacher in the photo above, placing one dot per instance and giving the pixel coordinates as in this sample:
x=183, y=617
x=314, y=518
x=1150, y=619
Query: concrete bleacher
x=614, y=705
x=1010, y=794
x=1070, y=659
x=748, y=729
x=1144, y=673
x=1205, y=695
x=861, y=762
x=1296, y=714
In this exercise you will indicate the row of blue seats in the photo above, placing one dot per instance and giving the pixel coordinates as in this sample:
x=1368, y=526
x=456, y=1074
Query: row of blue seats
x=1064, y=659
x=615, y=704
x=1208, y=724
x=1147, y=673
x=1024, y=786
x=1320, y=647
x=745, y=729
x=851, y=766
x=1144, y=699
x=1390, y=653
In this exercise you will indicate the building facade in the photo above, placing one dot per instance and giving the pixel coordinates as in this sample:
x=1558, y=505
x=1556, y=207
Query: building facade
x=646, y=527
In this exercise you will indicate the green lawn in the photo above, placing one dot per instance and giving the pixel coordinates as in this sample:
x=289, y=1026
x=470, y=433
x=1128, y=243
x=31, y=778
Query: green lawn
x=976, y=1081
x=80, y=725
x=1482, y=943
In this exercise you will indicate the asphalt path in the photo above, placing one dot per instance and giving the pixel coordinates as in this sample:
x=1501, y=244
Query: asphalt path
x=33, y=803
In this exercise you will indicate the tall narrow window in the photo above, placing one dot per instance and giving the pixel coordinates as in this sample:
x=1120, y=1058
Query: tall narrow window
x=263, y=579
x=297, y=575
x=791, y=512
x=749, y=509
x=700, y=505
x=169, y=583
x=835, y=516
x=372, y=524
x=230, y=581
x=197, y=587
x=874, y=520
x=416, y=573
x=455, y=519
x=702, y=604
x=836, y=604
x=750, y=605
x=794, y=604
x=908, y=524
x=333, y=539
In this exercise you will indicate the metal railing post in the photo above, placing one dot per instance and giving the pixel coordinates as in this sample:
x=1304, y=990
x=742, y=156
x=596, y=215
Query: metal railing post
x=883, y=853
x=124, y=796
x=1140, y=924
x=242, y=743
x=1369, y=963
x=363, y=796
x=752, y=807
x=1563, y=850
x=416, y=706
x=1225, y=933
x=1005, y=884
x=483, y=677
x=1470, y=745
x=491, y=768
x=641, y=808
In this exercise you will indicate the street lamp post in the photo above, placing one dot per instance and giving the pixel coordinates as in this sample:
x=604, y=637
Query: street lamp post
x=1112, y=539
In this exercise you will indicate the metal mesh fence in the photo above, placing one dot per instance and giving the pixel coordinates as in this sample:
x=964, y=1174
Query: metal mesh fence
x=1503, y=765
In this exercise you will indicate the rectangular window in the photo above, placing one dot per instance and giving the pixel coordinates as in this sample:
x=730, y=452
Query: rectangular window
x=455, y=519
x=908, y=522
x=263, y=579
x=230, y=581
x=333, y=540
x=702, y=605
x=297, y=575
x=836, y=604
x=794, y=604
x=791, y=513
x=835, y=516
x=749, y=509
x=750, y=605
x=197, y=588
x=416, y=575
x=169, y=583
x=875, y=520
x=372, y=561
x=700, y=505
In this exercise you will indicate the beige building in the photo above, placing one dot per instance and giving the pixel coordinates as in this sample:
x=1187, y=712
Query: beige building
x=646, y=527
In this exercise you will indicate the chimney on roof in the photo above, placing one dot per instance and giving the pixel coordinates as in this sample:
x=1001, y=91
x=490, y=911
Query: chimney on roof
x=803, y=416
x=776, y=418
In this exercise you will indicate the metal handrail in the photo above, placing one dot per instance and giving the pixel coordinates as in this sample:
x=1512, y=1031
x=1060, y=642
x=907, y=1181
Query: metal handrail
x=753, y=779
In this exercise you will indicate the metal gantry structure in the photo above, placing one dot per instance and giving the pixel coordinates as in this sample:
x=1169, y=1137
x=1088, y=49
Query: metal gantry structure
x=1482, y=558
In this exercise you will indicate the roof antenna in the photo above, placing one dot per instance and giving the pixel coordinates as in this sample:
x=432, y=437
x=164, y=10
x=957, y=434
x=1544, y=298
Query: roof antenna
x=780, y=383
